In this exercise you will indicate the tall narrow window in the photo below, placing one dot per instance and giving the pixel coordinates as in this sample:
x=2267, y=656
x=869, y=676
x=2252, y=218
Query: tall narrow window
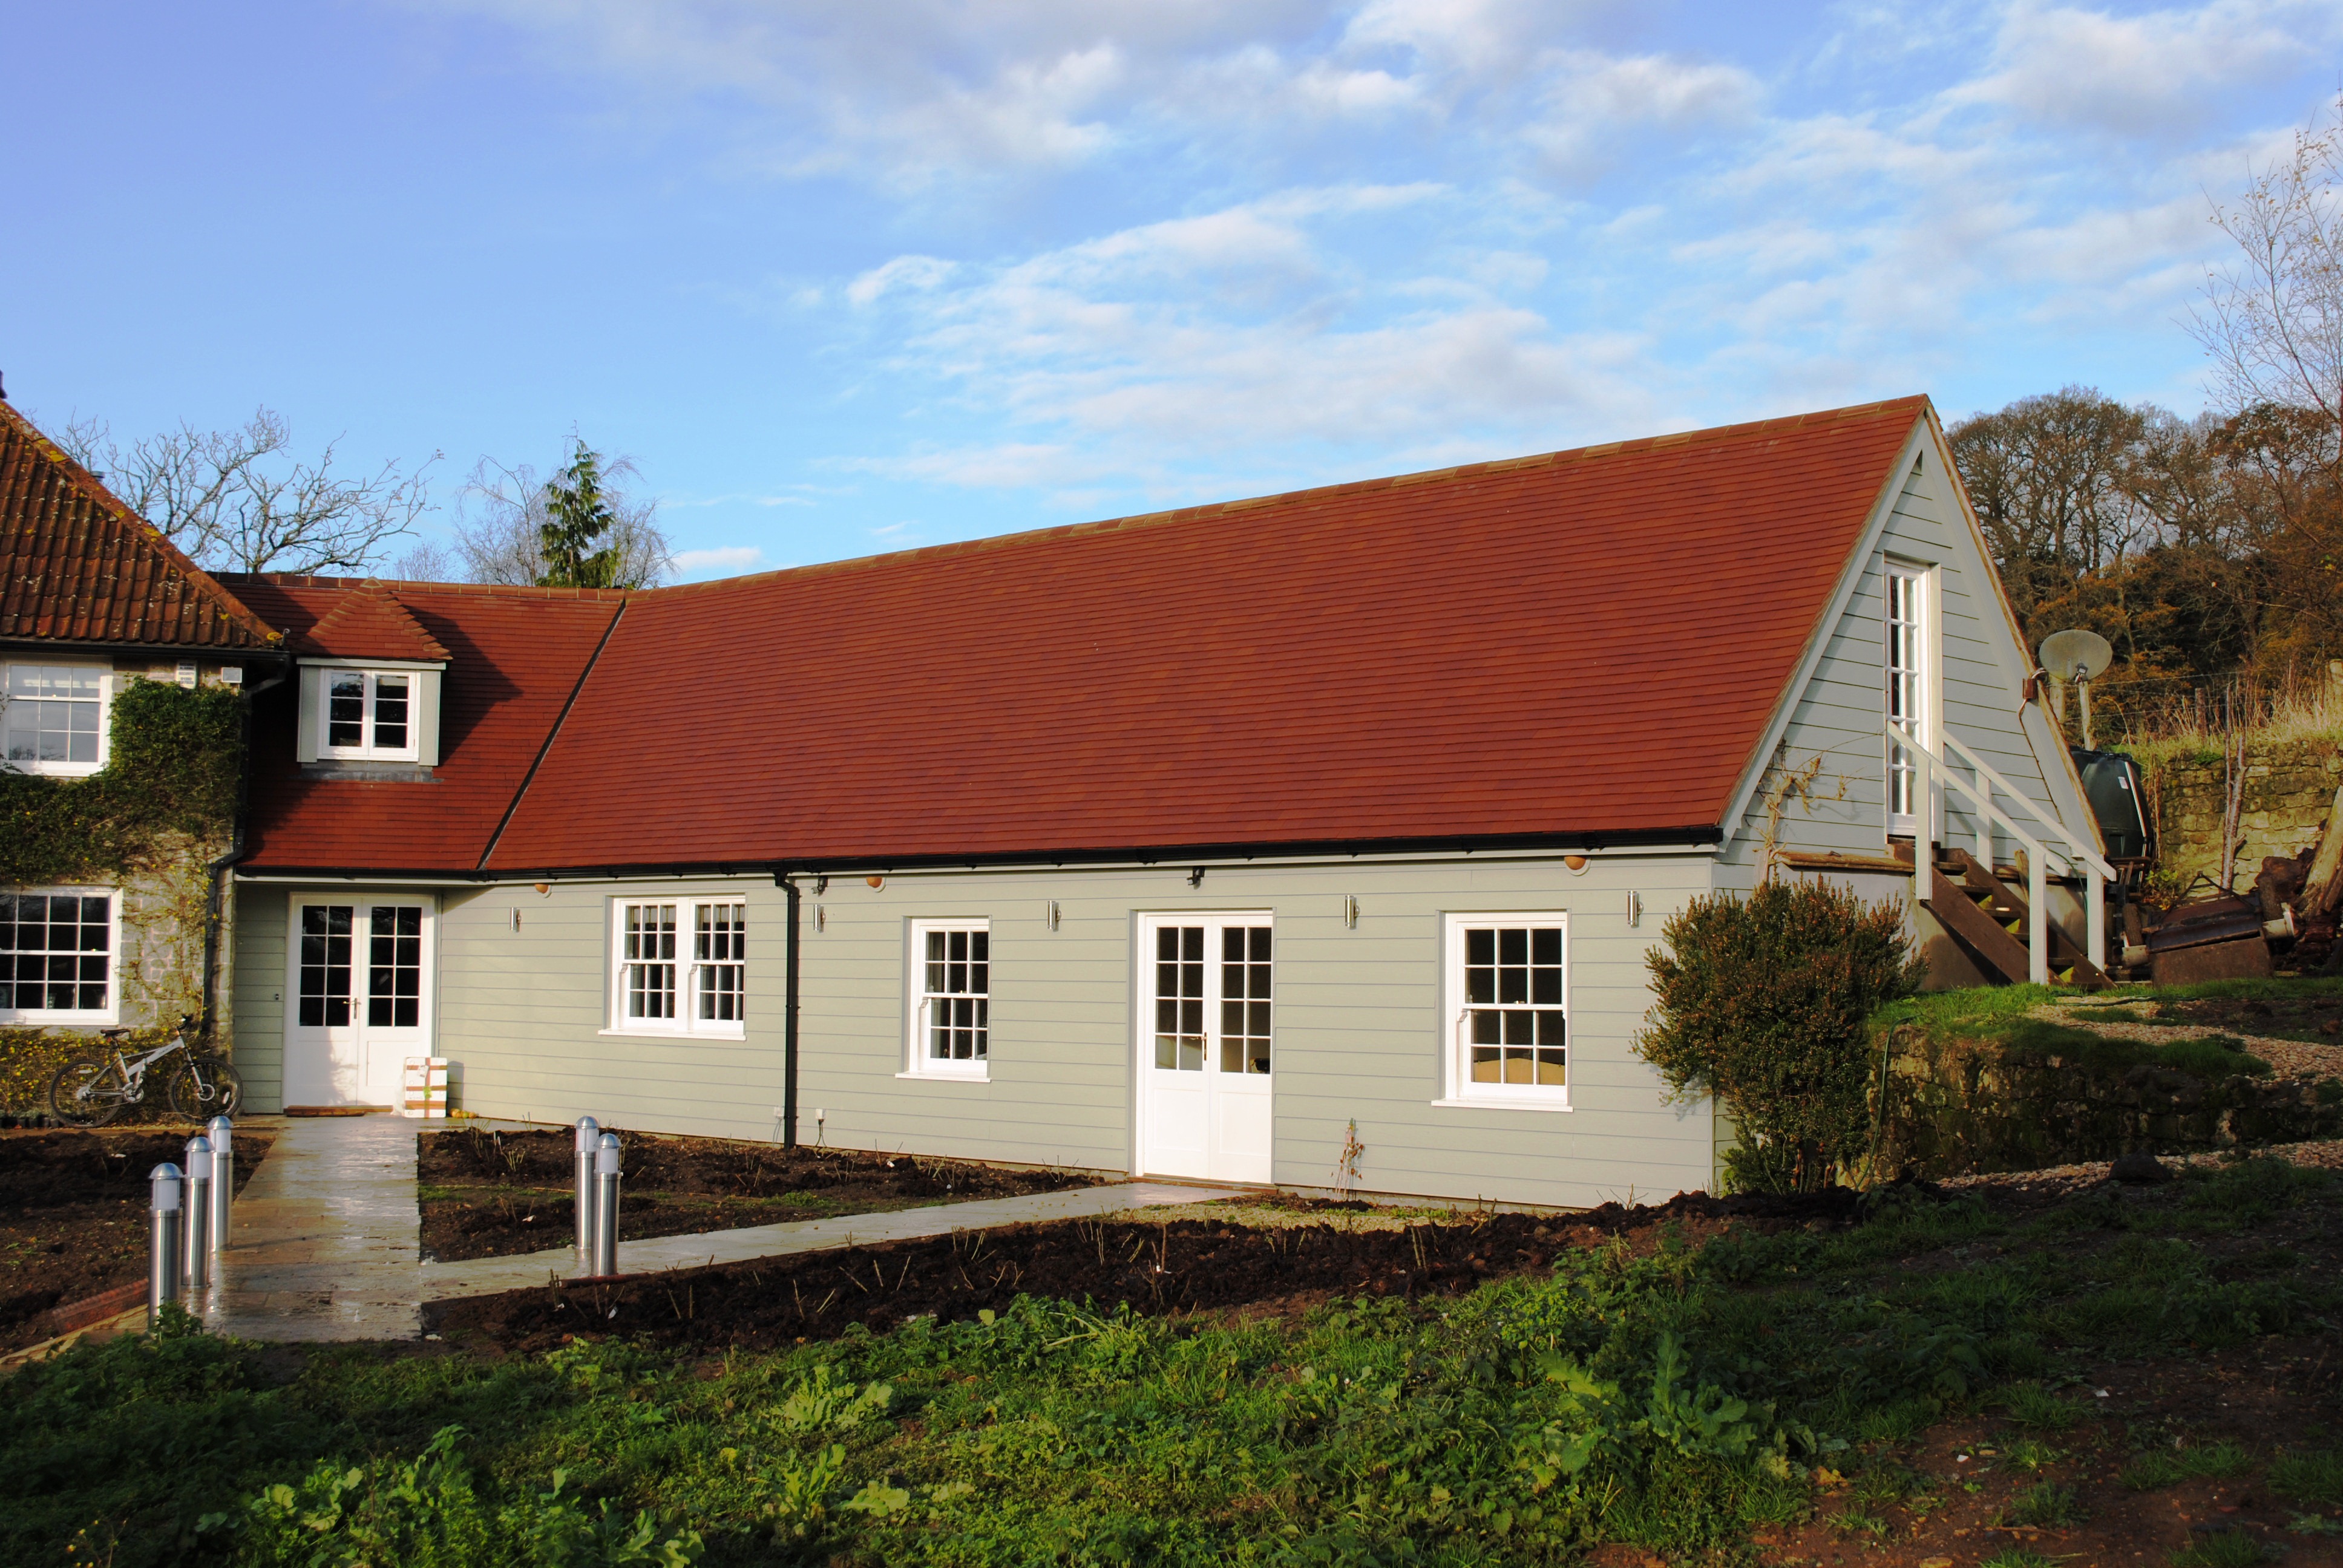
x=651, y=960
x=1180, y=997
x=394, y=967
x=1906, y=686
x=368, y=714
x=1510, y=978
x=952, y=1025
x=325, y=1001
x=681, y=967
x=56, y=718
x=719, y=968
x=56, y=957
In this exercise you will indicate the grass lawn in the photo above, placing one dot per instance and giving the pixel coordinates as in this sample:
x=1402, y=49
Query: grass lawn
x=1950, y=1379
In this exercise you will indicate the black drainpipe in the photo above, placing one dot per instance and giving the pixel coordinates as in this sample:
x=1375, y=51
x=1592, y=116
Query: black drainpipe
x=790, y=1018
x=212, y=900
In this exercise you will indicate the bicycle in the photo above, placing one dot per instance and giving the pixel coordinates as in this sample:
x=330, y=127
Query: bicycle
x=91, y=1090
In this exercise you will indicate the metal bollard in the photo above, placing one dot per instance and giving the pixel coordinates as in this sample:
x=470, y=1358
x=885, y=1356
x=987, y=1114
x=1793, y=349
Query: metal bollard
x=606, y=1205
x=198, y=1232
x=590, y=1133
x=223, y=1136
x=162, y=1244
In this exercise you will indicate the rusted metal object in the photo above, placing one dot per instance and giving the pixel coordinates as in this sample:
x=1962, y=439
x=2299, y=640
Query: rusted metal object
x=2214, y=939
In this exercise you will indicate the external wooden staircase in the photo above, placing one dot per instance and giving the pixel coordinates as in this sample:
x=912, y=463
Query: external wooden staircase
x=1990, y=919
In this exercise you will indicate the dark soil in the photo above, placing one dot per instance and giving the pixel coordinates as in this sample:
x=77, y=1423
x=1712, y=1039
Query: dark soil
x=2316, y=1020
x=72, y=1216
x=498, y=1194
x=1182, y=1265
x=1963, y=1505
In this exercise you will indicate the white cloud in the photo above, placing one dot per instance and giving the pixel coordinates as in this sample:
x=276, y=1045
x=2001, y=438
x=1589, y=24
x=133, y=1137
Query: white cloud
x=718, y=561
x=2150, y=75
x=918, y=272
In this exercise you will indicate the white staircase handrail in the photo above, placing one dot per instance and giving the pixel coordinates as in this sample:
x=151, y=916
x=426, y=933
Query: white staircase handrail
x=2080, y=851
x=1930, y=772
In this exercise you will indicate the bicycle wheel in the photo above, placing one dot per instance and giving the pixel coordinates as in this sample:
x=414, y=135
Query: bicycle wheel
x=89, y=1091
x=206, y=1086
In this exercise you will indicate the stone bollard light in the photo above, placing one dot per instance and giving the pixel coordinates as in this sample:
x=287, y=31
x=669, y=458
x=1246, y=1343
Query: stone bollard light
x=198, y=1222
x=222, y=1133
x=163, y=1242
x=589, y=1134
x=607, y=1155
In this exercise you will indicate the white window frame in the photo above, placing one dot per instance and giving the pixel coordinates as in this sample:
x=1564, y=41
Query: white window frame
x=106, y=686
x=686, y=1024
x=918, y=1064
x=367, y=750
x=1457, y=1088
x=112, y=1011
x=1920, y=596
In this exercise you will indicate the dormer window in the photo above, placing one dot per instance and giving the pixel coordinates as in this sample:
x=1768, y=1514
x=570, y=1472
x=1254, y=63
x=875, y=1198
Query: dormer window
x=370, y=714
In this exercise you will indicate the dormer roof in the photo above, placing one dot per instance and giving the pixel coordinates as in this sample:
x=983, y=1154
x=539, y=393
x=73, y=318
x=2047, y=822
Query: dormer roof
x=370, y=623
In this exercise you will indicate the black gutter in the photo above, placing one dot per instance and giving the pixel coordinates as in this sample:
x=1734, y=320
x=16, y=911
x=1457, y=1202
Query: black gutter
x=217, y=871
x=551, y=735
x=789, y=1017
x=1156, y=854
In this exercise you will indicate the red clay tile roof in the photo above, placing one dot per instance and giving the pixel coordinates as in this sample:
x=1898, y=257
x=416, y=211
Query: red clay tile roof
x=81, y=567
x=1586, y=643
x=368, y=622
x=514, y=656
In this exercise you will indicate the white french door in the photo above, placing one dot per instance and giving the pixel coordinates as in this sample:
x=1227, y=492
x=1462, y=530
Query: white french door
x=1206, y=1046
x=358, y=999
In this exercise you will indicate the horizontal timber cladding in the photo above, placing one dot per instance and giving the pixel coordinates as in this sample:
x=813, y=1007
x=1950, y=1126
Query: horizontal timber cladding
x=1359, y=1032
x=259, y=998
x=524, y=1011
x=1839, y=716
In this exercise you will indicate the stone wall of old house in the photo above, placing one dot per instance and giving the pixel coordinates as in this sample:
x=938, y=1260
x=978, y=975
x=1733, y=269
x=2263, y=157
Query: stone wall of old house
x=2289, y=788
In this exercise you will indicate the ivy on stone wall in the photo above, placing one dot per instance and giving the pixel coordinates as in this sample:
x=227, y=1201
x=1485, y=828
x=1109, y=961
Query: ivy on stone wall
x=172, y=770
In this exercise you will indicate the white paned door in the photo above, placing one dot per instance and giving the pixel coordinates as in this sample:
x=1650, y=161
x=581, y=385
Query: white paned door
x=357, y=998
x=1205, y=1046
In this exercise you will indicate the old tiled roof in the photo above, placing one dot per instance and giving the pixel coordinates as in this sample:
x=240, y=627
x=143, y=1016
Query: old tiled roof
x=514, y=656
x=81, y=567
x=368, y=622
x=1584, y=645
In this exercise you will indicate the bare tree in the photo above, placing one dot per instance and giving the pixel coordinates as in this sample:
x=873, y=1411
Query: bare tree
x=2273, y=319
x=507, y=516
x=425, y=561
x=236, y=501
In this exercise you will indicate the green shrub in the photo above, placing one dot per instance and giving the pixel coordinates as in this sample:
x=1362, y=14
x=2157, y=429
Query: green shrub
x=1764, y=1003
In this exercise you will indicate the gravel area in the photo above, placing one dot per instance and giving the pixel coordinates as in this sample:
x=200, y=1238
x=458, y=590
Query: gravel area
x=2063, y=1181
x=2287, y=1058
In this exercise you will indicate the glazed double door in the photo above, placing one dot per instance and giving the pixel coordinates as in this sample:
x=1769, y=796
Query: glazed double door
x=1207, y=1046
x=357, y=1002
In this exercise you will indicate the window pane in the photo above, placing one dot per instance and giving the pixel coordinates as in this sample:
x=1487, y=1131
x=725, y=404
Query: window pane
x=390, y=712
x=324, y=996
x=345, y=709
x=394, y=967
x=956, y=980
x=53, y=713
x=1514, y=1026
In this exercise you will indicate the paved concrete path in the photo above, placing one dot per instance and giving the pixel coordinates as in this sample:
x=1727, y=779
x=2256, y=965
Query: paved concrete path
x=483, y=1276
x=324, y=1244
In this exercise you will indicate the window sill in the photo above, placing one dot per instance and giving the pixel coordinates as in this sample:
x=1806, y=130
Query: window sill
x=57, y=770
x=30, y=1019
x=985, y=1077
x=1492, y=1102
x=734, y=1037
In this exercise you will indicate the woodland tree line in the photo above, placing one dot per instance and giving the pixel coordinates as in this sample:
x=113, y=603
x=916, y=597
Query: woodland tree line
x=2207, y=551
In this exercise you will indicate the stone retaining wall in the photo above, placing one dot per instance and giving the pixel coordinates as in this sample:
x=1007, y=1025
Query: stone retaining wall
x=2290, y=786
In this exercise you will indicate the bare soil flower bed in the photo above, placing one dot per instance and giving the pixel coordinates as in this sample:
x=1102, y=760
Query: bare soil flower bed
x=1170, y=1266
x=501, y=1194
x=72, y=1216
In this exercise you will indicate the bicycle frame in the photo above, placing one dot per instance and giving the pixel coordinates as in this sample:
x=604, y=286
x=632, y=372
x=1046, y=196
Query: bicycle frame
x=134, y=1073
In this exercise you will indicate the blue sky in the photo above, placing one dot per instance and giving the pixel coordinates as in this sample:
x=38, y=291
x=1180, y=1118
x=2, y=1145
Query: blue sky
x=846, y=278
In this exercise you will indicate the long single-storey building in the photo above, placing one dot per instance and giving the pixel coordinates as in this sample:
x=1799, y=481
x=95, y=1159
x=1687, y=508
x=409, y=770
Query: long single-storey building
x=1198, y=844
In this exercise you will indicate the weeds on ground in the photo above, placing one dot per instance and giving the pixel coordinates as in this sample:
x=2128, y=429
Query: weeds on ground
x=2160, y=1468
x=1673, y=1401
x=2228, y=1549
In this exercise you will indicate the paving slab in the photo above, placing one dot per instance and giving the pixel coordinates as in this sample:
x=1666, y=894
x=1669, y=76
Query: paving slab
x=325, y=1244
x=486, y=1276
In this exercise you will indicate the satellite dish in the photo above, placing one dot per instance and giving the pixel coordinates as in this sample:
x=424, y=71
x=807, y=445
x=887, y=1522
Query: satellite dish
x=2076, y=654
